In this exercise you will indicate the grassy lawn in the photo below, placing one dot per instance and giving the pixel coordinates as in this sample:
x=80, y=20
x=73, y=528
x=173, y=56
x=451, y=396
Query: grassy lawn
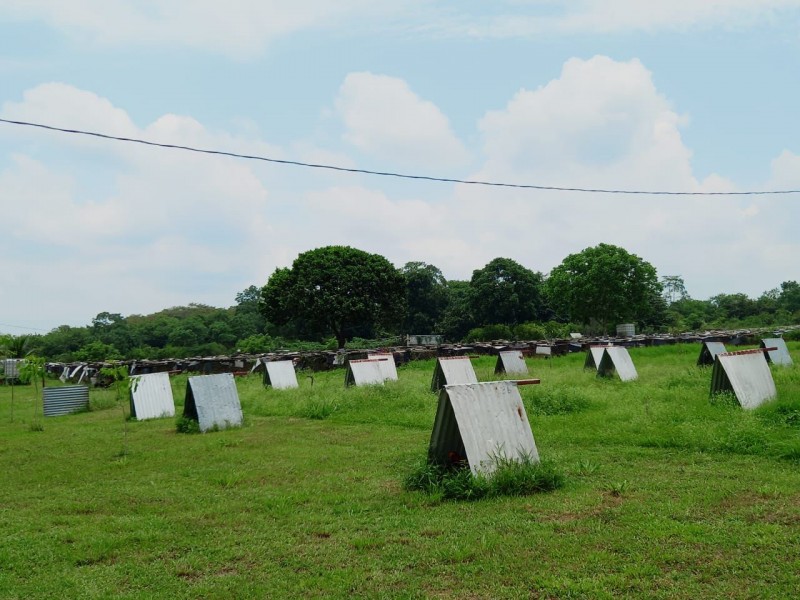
x=667, y=495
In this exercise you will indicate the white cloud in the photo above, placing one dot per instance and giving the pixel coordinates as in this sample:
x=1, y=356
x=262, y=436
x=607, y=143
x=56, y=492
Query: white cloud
x=383, y=117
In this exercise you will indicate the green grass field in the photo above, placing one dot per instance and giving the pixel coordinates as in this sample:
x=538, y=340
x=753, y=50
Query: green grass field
x=667, y=495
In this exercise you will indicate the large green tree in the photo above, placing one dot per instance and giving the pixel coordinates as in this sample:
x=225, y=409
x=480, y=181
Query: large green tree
x=426, y=290
x=505, y=292
x=606, y=284
x=336, y=290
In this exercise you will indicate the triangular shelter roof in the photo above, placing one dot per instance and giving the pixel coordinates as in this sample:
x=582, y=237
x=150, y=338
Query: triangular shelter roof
x=151, y=396
x=616, y=359
x=746, y=374
x=709, y=352
x=777, y=352
x=480, y=422
x=451, y=370
x=387, y=365
x=280, y=374
x=364, y=372
x=511, y=362
x=213, y=401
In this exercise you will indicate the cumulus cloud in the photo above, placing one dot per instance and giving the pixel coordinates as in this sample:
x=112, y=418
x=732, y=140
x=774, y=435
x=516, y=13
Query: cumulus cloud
x=385, y=118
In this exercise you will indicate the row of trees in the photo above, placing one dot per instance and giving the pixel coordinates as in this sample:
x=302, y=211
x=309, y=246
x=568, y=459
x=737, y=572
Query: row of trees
x=334, y=294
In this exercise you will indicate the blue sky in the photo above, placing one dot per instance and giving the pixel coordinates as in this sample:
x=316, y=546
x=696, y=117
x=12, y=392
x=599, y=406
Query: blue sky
x=662, y=95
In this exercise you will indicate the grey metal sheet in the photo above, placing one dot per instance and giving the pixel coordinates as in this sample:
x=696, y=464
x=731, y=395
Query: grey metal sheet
x=593, y=357
x=363, y=372
x=65, y=400
x=709, y=352
x=779, y=356
x=452, y=370
x=212, y=400
x=746, y=374
x=280, y=374
x=616, y=358
x=480, y=422
x=151, y=396
x=388, y=367
x=11, y=367
x=511, y=362
x=546, y=351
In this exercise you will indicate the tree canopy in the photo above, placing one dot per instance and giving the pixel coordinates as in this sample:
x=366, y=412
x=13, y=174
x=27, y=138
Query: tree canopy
x=504, y=292
x=606, y=284
x=426, y=290
x=336, y=290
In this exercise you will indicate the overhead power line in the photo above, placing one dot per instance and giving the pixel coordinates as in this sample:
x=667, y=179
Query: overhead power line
x=390, y=173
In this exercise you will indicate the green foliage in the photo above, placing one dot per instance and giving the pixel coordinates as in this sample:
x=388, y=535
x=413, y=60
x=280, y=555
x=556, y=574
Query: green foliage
x=97, y=351
x=457, y=318
x=487, y=333
x=506, y=292
x=511, y=477
x=187, y=425
x=557, y=400
x=427, y=295
x=338, y=290
x=608, y=285
x=530, y=331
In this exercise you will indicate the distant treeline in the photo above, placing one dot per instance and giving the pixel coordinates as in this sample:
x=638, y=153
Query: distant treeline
x=591, y=292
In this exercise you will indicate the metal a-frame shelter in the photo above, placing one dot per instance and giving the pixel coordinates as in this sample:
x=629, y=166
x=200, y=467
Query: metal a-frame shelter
x=617, y=360
x=746, y=374
x=709, y=352
x=151, y=396
x=776, y=351
x=213, y=401
x=280, y=374
x=364, y=372
x=511, y=362
x=451, y=370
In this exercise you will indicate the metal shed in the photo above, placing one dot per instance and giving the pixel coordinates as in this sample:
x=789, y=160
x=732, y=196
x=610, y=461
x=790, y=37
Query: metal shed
x=776, y=351
x=387, y=364
x=746, y=374
x=151, y=396
x=709, y=352
x=65, y=400
x=364, y=372
x=479, y=422
x=212, y=401
x=593, y=357
x=280, y=374
x=451, y=370
x=511, y=362
x=616, y=359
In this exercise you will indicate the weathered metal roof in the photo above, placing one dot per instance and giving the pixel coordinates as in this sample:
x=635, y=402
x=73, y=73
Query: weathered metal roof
x=746, y=374
x=709, y=352
x=280, y=374
x=780, y=355
x=593, y=357
x=616, y=358
x=512, y=362
x=151, y=396
x=212, y=400
x=546, y=351
x=451, y=370
x=387, y=364
x=65, y=400
x=364, y=372
x=479, y=422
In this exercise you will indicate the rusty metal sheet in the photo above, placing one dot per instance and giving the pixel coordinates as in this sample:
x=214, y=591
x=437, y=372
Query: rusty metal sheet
x=387, y=364
x=451, y=370
x=709, y=352
x=593, y=357
x=151, y=396
x=213, y=401
x=616, y=359
x=280, y=374
x=364, y=372
x=511, y=362
x=64, y=400
x=778, y=353
x=479, y=422
x=746, y=374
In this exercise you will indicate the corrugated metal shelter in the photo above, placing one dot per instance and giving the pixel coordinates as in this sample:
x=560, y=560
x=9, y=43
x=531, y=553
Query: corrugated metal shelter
x=709, y=352
x=387, y=364
x=212, y=401
x=11, y=367
x=364, y=372
x=616, y=359
x=452, y=370
x=593, y=357
x=511, y=362
x=151, y=396
x=65, y=400
x=780, y=355
x=746, y=374
x=280, y=374
x=479, y=422
x=544, y=351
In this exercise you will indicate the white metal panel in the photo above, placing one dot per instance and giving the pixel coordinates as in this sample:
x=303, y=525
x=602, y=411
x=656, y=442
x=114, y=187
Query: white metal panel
x=511, y=362
x=593, y=357
x=388, y=367
x=616, y=358
x=779, y=356
x=151, y=396
x=452, y=370
x=364, y=372
x=213, y=401
x=546, y=351
x=709, y=352
x=747, y=375
x=280, y=375
x=11, y=367
x=484, y=421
